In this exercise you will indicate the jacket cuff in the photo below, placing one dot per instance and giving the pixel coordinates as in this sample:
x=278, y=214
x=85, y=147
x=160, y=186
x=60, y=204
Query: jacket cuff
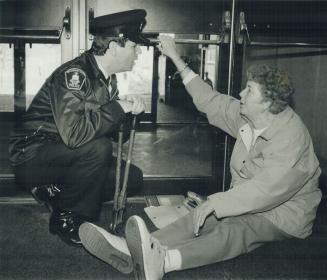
x=115, y=110
x=189, y=77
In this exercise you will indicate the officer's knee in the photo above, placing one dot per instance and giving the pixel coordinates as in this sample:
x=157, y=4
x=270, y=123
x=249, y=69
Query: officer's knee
x=100, y=149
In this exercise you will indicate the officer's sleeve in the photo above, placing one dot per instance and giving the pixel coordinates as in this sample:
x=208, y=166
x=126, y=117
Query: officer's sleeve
x=80, y=119
x=283, y=174
x=222, y=111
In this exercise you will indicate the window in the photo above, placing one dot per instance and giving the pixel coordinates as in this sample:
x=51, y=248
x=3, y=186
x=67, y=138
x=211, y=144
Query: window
x=139, y=80
x=210, y=66
x=41, y=61
x=6, y=78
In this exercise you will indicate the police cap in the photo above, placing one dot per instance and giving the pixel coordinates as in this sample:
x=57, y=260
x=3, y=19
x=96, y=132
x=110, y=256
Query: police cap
x=128, y=24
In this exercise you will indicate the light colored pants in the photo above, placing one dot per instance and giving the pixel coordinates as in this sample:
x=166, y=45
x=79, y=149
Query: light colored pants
x=219, y=239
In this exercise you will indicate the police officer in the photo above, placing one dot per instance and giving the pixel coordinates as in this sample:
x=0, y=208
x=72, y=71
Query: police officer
x=62, y=148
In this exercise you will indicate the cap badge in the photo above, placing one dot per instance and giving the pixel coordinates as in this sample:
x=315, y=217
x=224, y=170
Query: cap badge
x=75, y=78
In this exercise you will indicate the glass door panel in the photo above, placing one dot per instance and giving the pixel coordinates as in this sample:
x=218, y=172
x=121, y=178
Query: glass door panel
x=6, y=78
x=41, y=61
x=139, y=80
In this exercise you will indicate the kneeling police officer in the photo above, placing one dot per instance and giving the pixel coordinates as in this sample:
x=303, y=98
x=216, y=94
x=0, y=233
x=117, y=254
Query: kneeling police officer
x=62, y=148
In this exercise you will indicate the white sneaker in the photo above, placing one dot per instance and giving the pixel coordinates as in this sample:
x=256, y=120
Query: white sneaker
x=147, y=252
x=106, y=246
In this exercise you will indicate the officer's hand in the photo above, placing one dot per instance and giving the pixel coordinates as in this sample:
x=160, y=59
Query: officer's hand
x=167, y=47
x=200, y=214
x=132, y=103
x=126, y=106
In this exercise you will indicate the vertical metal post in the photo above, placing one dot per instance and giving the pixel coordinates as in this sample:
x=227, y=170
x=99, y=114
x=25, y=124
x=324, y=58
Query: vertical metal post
x=155, y=91
x=229, y=92
x=231, y=50
x=75, y=27
x=20, y=79
x=90, y=7
x=66, y=40
x=203, y=59
x=83, y=18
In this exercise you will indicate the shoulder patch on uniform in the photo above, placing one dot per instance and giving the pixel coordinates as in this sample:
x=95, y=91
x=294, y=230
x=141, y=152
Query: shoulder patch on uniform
x=75, y=78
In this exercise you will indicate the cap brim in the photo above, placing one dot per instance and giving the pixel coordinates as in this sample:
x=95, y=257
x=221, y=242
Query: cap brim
x=142, y=40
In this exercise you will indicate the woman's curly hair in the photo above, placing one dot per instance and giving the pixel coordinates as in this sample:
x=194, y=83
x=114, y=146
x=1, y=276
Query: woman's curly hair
x=276, y=86
x=101, y=44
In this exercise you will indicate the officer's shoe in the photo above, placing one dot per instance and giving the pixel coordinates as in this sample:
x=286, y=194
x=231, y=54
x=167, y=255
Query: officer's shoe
x=66, y=224
x=45, y=194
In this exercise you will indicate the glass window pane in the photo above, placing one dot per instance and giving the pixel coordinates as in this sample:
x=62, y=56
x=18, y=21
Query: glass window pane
x=139, y=80
x=6, y=78
x=210, y=66
x=41, y=61
x=174, y=103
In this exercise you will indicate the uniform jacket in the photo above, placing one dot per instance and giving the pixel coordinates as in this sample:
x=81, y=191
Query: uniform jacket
x=277, y=177
x=75, y=105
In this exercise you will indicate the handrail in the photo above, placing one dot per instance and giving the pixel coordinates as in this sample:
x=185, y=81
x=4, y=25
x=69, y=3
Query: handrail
x=192, y=41
x=284, y=44
x=42, y=33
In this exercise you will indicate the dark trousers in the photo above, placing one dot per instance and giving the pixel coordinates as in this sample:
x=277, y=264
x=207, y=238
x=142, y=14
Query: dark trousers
x=86, y=175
